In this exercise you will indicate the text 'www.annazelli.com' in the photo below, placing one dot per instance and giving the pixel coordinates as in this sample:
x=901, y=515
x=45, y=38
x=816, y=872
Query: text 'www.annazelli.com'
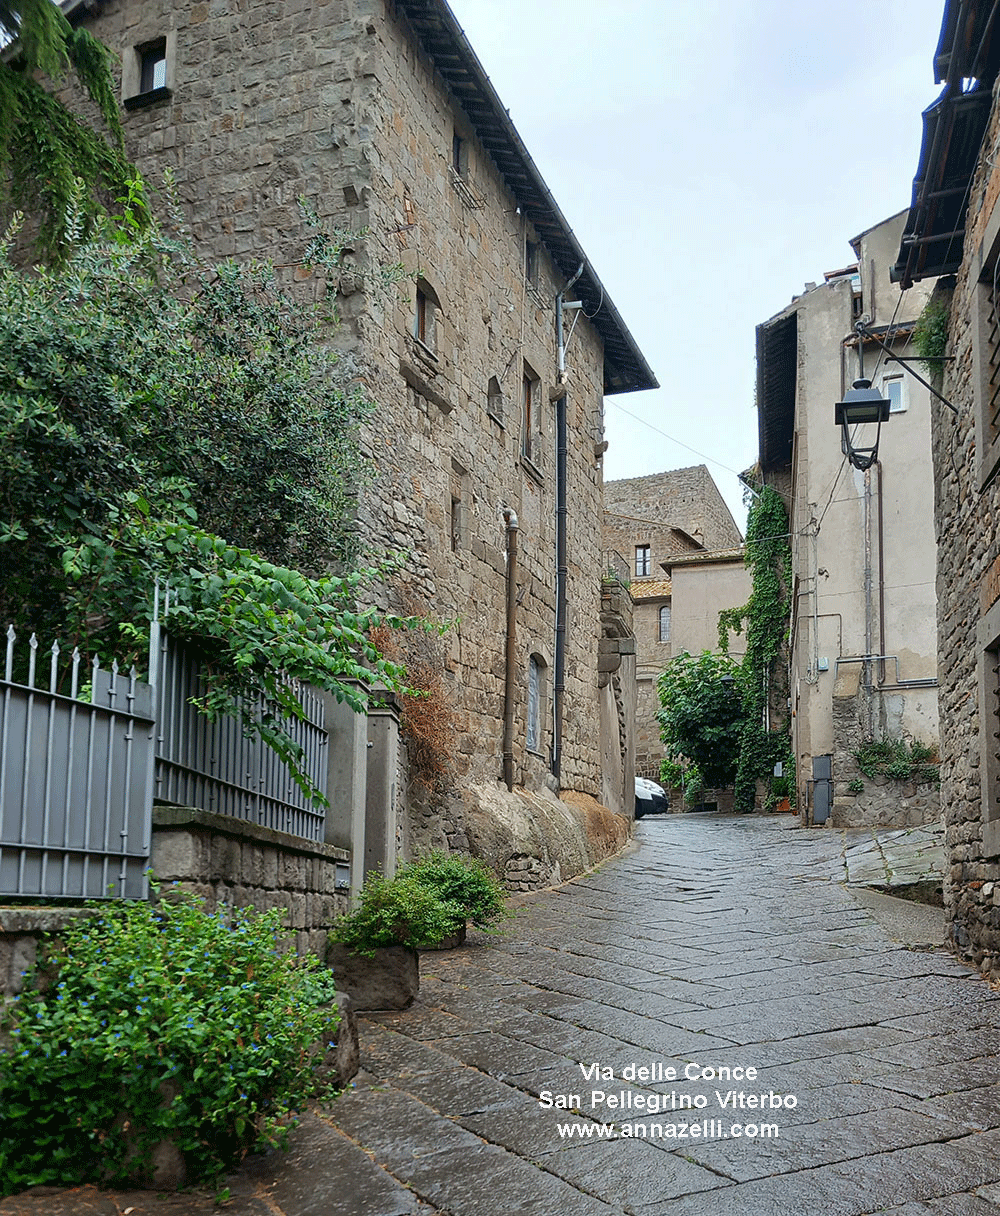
x=705, y=1129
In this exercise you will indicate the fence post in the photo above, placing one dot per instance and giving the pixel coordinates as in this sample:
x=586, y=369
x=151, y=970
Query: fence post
x=346, y=783
x=381, y=801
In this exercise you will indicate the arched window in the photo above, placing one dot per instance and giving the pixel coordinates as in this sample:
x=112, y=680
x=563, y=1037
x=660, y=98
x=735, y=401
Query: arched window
x=664, y=622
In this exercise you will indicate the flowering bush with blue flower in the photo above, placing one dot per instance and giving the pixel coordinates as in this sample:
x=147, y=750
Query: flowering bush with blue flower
x=148, y=1023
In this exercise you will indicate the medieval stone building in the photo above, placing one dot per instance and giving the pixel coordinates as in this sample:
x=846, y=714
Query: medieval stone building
x=487, y=366
x=953, y=229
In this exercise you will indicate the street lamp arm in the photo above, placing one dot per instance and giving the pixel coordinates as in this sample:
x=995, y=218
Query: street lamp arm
x=863, y=332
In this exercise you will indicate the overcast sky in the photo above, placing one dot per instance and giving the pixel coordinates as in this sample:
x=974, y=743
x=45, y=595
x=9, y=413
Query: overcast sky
x=712, y=157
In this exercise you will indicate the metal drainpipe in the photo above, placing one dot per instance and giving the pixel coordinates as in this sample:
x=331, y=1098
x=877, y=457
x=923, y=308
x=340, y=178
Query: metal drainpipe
x=510, y=675
x=881, y=578
x=562, y=573
x=866, y=669
x=562, y=570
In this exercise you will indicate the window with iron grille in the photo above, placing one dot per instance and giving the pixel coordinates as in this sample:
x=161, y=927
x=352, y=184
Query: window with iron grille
x=665, y=623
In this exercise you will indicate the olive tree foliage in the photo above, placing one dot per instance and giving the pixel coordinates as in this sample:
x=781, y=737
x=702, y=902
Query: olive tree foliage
x=165, y=419
x=700, y=719
x=44, y=146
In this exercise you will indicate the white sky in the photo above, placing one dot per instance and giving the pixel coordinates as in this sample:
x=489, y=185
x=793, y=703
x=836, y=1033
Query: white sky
x=712, y=157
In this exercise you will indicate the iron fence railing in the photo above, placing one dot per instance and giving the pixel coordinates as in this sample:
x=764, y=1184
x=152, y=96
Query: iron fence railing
x=219, y=766
x=85, y=750
x=614, y=566
x=76, y=778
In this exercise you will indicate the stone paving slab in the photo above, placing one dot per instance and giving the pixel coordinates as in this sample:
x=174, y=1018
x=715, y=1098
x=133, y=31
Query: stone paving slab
x=720, y=943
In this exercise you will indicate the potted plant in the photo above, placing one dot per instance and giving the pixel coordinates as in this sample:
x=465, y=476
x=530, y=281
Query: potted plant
x=465, y=882
x=373, y=949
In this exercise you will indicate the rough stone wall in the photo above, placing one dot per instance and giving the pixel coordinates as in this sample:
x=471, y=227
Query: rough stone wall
x=21, y=931
x=680, y=498
x=687, y=499
x=884, y=802
x=336, y=102
x=968, y=542
x=231, y=861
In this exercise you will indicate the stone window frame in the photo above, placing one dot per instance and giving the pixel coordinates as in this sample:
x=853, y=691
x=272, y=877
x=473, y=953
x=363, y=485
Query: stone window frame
x=531, y=416
x=663, y=634
x=536, y=708
x=643, y=563
x=985, y=273
x=137, y=60
x=988, y=680
x=426, y=318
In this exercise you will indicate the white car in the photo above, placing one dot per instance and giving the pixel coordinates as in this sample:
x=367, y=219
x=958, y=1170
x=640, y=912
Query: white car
x=649, y=798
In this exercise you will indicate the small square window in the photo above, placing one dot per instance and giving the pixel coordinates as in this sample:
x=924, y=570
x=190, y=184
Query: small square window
x=153, y=67
x=148, y=72
x=643, y=561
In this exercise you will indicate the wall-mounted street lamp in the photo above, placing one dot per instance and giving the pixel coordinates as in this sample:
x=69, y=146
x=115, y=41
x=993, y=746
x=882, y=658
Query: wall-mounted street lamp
x=862, y=404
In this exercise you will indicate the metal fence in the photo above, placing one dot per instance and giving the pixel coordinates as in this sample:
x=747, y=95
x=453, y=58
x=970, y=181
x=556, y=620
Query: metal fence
x=219, y=766
x=76, y=777
x=615, y=567
x=80, y=767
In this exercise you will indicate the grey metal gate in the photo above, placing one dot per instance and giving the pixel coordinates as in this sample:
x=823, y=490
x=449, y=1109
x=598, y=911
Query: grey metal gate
x=75, y=779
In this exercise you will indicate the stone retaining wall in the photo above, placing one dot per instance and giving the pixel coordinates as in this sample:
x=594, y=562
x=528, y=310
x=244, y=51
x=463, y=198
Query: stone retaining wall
x=232, y=861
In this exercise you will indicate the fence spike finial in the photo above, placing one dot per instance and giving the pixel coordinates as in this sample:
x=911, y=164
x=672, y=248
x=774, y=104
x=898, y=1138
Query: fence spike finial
x=9, y=669
x=54, y=667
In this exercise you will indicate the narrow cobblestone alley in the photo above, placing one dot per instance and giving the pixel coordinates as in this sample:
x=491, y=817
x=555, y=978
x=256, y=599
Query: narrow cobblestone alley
x=719, y=941
x=723, y=942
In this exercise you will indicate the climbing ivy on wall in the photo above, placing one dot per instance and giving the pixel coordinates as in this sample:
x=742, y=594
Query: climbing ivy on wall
x=762, y=678
x=45, y=149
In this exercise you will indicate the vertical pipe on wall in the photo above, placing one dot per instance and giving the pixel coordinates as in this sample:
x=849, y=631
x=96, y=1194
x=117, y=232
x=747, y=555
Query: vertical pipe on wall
x=562, y=572
x=510, y=675
x=562, y=569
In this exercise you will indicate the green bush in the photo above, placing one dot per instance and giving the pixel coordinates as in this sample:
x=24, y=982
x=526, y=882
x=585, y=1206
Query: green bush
x=400, y=911
x=898, y=760
x=465, y=881
x=156, y=1023
x=857, y=786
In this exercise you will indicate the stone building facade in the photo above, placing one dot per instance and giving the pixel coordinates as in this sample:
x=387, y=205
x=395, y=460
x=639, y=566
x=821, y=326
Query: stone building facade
x=953, y=229
x=380, y=115
x=863, y=649
x=651, y=523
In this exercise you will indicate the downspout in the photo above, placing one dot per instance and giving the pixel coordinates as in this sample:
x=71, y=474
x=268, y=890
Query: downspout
x=510, y=674
x=562, y=569
x=881, y=578
x=869, y=608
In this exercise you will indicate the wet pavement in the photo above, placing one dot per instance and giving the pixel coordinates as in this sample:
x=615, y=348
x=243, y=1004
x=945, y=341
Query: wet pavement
x=719, y=945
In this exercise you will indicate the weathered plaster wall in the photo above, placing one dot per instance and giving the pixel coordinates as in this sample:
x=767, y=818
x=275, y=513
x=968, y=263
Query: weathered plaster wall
x=835, y=508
